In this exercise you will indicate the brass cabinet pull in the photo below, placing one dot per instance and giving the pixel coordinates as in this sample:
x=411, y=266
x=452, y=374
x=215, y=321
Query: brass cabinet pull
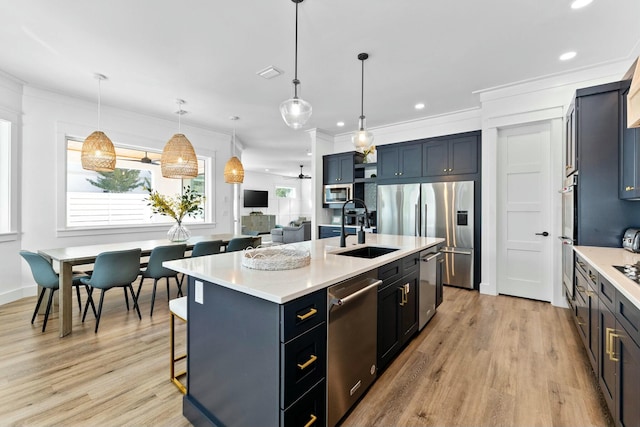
x=607, y=345
x=306, y=364
x=580, y=289
x=405, y=290
x=580, y=263
x=629, y=188
x=590, y=293
x=310, y=313
x=311, y=421
x=612, y=345
x=401, y=288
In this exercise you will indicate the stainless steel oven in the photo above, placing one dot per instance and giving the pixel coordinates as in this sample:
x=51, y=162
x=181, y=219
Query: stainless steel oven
x=337, y=193
x=568, y=238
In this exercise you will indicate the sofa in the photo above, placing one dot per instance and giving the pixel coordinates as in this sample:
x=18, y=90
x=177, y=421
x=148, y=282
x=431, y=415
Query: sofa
x=294, y=232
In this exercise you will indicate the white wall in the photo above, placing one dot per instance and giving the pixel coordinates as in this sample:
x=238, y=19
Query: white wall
x=47, y=119
x=285, y=209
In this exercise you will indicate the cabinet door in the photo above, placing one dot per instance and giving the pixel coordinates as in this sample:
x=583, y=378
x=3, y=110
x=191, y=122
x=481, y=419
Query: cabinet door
x=346, y=168
x=628, y=376
x=570, y=142
x=387, y=162
x=331, y=170
x=410, y=160
x=463, y=155
x=389, y=299
x=607, y=365
x=326, y=232
x=582, y=309
x=593, y=329
x=409, y=308
x=435, y=158
x=629, y=157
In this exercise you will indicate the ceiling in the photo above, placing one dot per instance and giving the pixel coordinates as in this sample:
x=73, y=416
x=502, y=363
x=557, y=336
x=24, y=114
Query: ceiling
x=208, y=53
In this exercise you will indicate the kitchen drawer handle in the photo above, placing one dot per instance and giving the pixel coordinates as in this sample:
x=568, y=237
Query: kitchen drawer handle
x=581, y=264
x=312, y=421
x=593, y=278
x=305, y=316
x=611, y=336
x=306, y=364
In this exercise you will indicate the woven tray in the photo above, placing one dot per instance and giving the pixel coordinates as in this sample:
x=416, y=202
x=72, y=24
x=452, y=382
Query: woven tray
x=273, y=258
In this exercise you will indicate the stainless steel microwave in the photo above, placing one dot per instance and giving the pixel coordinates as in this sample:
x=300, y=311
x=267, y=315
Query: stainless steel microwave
x=337, y=193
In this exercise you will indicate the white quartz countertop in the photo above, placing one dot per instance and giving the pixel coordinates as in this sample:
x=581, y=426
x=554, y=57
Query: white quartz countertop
x=603, y=260
x=326, y=268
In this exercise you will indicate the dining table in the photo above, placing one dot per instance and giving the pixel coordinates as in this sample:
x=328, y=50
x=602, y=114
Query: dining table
x=81, y=255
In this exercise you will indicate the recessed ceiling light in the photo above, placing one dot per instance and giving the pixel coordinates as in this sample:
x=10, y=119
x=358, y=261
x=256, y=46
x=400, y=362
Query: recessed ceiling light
x=577, y=4
x=340, y=124
x=309, y=153
x=567, y=55
x=266, y=170
x=419, y=106
x=269, y=72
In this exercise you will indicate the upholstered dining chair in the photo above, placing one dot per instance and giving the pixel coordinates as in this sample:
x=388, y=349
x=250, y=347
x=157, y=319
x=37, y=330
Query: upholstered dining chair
x=210, y=247
x=46, y=277
x=239, y=243
x=110, y=270
x=156, y=271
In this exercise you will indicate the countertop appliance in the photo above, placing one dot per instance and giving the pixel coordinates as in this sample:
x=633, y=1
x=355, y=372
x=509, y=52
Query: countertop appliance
x=631, y=240
x=352, y=342
x=439, y=209
x=430, y=278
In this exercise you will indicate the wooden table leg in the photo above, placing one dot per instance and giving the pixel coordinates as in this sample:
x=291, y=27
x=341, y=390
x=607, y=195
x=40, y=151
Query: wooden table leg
x=64, y=298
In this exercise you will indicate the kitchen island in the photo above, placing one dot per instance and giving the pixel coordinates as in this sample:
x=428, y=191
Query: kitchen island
x=257, y=340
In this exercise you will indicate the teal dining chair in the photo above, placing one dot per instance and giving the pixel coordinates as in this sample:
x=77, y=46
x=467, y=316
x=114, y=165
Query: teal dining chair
x=156, y=271
x=46, y=277
x=210, y=247
x=113, y=269
x=239, y=243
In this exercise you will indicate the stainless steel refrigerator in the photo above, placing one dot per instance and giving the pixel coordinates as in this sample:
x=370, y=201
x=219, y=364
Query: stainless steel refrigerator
x=439, y=209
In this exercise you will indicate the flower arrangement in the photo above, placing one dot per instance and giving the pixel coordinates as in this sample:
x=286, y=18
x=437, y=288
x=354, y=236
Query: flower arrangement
x=368, y=151
x=177, y=207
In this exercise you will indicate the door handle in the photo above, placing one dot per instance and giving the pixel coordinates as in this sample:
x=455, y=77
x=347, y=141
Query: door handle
x=544, y=233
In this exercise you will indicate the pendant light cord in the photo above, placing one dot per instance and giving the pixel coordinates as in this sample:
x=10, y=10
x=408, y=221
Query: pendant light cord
x=99, y=81
x=295, y=73
x=362, y=93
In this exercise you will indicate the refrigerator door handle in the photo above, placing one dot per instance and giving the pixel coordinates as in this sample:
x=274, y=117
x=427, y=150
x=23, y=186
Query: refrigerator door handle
x=417, y=223
x=424, y=221
x=456, y=251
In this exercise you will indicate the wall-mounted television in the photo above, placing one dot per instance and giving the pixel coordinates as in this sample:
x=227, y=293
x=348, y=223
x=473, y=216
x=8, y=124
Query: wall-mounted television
x=256, y=199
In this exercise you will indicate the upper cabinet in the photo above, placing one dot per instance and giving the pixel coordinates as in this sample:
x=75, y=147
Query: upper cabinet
x=338, y=168
x=454, y=156
x=397, y=161
x=629, y=155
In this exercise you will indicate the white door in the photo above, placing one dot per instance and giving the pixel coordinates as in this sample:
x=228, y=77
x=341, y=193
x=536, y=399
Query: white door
x=524, y=212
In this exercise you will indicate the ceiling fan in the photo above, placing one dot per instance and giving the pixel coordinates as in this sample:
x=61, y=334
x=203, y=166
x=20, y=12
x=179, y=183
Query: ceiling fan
x=146, y=159
x=303, y=176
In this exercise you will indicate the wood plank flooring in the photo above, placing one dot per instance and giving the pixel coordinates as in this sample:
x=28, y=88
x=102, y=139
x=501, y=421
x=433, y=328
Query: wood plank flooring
x=482, y=360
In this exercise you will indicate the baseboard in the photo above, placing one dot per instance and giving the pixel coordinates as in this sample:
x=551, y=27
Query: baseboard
x=16, y=294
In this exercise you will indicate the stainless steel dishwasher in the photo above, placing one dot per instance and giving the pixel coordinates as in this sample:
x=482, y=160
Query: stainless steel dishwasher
x=352, y=342
x=430, y=278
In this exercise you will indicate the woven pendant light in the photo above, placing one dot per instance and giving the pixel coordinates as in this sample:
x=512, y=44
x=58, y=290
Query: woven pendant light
x=233, y=170
x=178, y=156
x=98, y=153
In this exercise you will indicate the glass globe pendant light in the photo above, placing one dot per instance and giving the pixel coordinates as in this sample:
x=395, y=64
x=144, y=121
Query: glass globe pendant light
x=362, y=138
x=98, y=153
x=295, y=111
x=233, y=170
x=178, y=156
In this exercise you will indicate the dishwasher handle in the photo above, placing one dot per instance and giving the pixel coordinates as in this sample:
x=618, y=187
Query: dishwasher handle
x=342, y=301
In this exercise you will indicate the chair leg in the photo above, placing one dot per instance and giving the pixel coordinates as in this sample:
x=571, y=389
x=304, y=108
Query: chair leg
x=99, y=310
x=139, y=287
x=135, y=301
x=126, y=297
x=79, y=302
x=46, y=313
x=35, y=312
x=93, y=306
x=153, y=295
x=179, y=282
x=168, y=295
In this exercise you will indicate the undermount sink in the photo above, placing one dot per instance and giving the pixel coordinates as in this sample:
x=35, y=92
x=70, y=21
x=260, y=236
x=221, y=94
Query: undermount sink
x=368, y=251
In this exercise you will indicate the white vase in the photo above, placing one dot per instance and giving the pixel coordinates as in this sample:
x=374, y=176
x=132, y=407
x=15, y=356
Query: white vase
x=178, y=233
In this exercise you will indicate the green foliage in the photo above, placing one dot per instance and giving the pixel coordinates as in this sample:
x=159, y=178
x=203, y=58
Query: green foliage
x=177, y=207
x=118, y=181
x=283, y=191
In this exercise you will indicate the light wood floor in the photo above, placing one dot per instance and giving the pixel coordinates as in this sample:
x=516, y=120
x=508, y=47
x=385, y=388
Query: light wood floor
x=481, y=361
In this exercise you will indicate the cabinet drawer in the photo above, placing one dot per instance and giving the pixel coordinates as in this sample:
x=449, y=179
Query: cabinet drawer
x=629, y=316
x=582, y=265
x=410, y=263
x=390, y=272
x=606, y=292
x=302, y=314
x=304, y=362
x=308, y=411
